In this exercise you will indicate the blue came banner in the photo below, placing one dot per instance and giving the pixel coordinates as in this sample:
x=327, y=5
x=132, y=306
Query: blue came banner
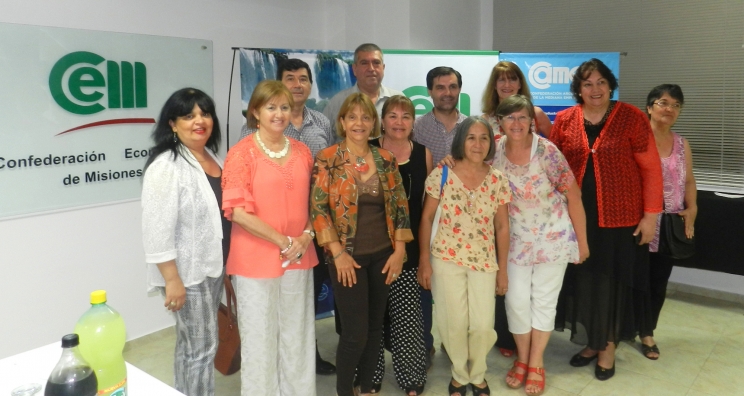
x=549, y=75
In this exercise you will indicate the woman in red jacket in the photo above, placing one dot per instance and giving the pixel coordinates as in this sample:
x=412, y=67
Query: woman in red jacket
x=611, y=150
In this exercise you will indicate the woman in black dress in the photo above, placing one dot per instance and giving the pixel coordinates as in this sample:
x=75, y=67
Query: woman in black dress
x=404, y=332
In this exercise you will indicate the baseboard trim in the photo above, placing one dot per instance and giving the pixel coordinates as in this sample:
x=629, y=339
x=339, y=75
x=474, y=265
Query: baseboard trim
x=706, y=292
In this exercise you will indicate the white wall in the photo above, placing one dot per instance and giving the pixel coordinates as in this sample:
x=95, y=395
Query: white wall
x=49, y=263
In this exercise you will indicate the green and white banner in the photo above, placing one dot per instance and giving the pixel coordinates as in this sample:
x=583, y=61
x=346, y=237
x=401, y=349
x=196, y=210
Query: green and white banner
x=79, y=109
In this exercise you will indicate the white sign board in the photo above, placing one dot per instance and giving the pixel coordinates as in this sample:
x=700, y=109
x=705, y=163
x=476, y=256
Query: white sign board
x=79, y=108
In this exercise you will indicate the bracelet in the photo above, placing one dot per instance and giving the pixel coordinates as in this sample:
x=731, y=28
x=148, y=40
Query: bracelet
x=339, y=254
x=286, y=249
x=309, y=232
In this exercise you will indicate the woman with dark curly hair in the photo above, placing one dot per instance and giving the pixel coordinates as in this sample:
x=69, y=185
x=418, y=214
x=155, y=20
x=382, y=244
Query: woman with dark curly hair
x=183, y=231
x=611, y=150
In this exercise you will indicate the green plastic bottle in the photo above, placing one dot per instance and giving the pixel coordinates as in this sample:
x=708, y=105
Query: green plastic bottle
x=102, y=337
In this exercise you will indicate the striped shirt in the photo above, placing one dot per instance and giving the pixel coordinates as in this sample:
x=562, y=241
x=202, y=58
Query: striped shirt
x=315, y=131
x=431, y=133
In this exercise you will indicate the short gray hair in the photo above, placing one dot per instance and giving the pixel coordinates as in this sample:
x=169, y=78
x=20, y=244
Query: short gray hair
x=366, y=47
x=461, y=133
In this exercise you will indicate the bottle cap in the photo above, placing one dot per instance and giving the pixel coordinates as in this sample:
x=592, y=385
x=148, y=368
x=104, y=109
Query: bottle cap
x=70, y=341
x=98, y=297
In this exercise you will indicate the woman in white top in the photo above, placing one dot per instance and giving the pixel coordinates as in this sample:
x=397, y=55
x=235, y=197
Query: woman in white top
x=548, y=230
x=182, y=231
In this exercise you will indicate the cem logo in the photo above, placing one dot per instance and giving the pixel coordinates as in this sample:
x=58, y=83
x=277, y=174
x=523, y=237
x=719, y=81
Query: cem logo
x=543, y=74
x=419, y=95
x=125, y=83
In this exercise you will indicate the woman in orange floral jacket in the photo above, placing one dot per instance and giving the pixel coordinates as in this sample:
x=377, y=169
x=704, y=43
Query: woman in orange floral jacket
x=358, y=189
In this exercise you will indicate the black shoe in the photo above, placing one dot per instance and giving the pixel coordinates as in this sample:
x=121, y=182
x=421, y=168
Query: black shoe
x=417, y=389
x=480, y=391
x=580, y=361
x=462, y=389
x=375, y=387
x=323, y=367
x=602, y=373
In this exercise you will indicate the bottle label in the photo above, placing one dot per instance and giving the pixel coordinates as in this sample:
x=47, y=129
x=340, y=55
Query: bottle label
x=119, y=389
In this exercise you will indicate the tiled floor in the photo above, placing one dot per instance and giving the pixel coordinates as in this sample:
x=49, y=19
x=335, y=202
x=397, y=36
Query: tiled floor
x=701, y=341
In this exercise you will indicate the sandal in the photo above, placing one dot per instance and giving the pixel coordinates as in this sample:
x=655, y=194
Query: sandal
x=414, y=390
x=506, y=352
x=646, y=350
x=480, y=391
x=461, y=390
x=539, y=383
x=375, y=387
x=518, y=376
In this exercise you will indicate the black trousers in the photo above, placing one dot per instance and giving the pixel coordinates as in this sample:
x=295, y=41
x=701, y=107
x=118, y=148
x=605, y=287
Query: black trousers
x=362, y=313
x=647, y=316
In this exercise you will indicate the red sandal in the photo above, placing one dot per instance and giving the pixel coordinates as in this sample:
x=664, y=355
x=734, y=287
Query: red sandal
x=514, y=374
x=539, y=383
x=506, y=352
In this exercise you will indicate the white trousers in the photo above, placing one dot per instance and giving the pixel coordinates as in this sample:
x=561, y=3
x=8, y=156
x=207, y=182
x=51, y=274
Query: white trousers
x=276, y=317
x=464, y=303
x=533, y=295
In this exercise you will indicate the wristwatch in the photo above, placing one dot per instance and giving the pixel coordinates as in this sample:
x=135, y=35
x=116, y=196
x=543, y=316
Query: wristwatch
x=310, y=232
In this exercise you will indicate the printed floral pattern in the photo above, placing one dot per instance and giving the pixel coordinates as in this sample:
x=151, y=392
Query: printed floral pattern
x=466, y=233
x=540, y=227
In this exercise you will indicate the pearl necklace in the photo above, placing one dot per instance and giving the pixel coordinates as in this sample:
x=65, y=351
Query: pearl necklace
x=270, y=153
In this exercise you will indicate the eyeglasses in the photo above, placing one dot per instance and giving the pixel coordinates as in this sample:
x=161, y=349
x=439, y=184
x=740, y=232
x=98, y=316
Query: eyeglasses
x=521, y=119
x=667, y=105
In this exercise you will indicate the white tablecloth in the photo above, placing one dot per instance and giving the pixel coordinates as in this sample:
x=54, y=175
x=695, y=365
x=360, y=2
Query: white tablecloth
x=36, y=365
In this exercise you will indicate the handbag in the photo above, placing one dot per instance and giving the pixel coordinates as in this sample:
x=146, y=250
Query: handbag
x=227, y=360
x=435, y=224
x=673, y=241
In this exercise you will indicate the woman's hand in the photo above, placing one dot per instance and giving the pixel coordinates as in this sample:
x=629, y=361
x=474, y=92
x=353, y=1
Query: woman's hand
x=346, y=268
x=447, y=161
x=299, y=247
x=646, y=228
x=583, y=252
x=689, y=215
x=502, y=283
x=175, y=294
x=394, y=266
x=423, y=274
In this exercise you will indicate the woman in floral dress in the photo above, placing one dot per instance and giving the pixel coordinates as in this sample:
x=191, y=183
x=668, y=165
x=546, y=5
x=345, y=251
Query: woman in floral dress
x=548, y=230
x=460, y=265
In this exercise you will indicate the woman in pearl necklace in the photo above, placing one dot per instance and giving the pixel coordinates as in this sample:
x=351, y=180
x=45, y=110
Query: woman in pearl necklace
x=266, y=184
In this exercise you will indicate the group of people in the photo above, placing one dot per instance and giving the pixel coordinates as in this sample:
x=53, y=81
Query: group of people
x=401, y=211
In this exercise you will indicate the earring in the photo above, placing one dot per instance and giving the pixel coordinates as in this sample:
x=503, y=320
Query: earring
x=175, y=137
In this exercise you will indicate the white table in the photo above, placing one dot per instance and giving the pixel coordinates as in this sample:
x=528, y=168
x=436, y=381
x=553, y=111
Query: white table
x=36, y=365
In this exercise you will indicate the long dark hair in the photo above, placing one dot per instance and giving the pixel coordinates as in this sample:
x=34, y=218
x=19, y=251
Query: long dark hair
x=180, y=104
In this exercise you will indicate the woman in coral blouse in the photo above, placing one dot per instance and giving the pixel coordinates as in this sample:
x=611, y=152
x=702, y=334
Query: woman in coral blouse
x=358, y=189
x=265, y=187
x=611, y=150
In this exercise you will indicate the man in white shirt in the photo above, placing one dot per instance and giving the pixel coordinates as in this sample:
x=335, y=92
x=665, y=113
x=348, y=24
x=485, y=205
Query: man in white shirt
x=369, y=70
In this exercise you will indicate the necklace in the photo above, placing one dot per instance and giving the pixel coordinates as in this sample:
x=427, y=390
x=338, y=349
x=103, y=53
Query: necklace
x=270, y=153
x=360, y=165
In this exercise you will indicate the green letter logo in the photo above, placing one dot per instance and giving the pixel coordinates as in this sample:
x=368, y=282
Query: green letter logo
x=419, y=95
x=127, y=85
